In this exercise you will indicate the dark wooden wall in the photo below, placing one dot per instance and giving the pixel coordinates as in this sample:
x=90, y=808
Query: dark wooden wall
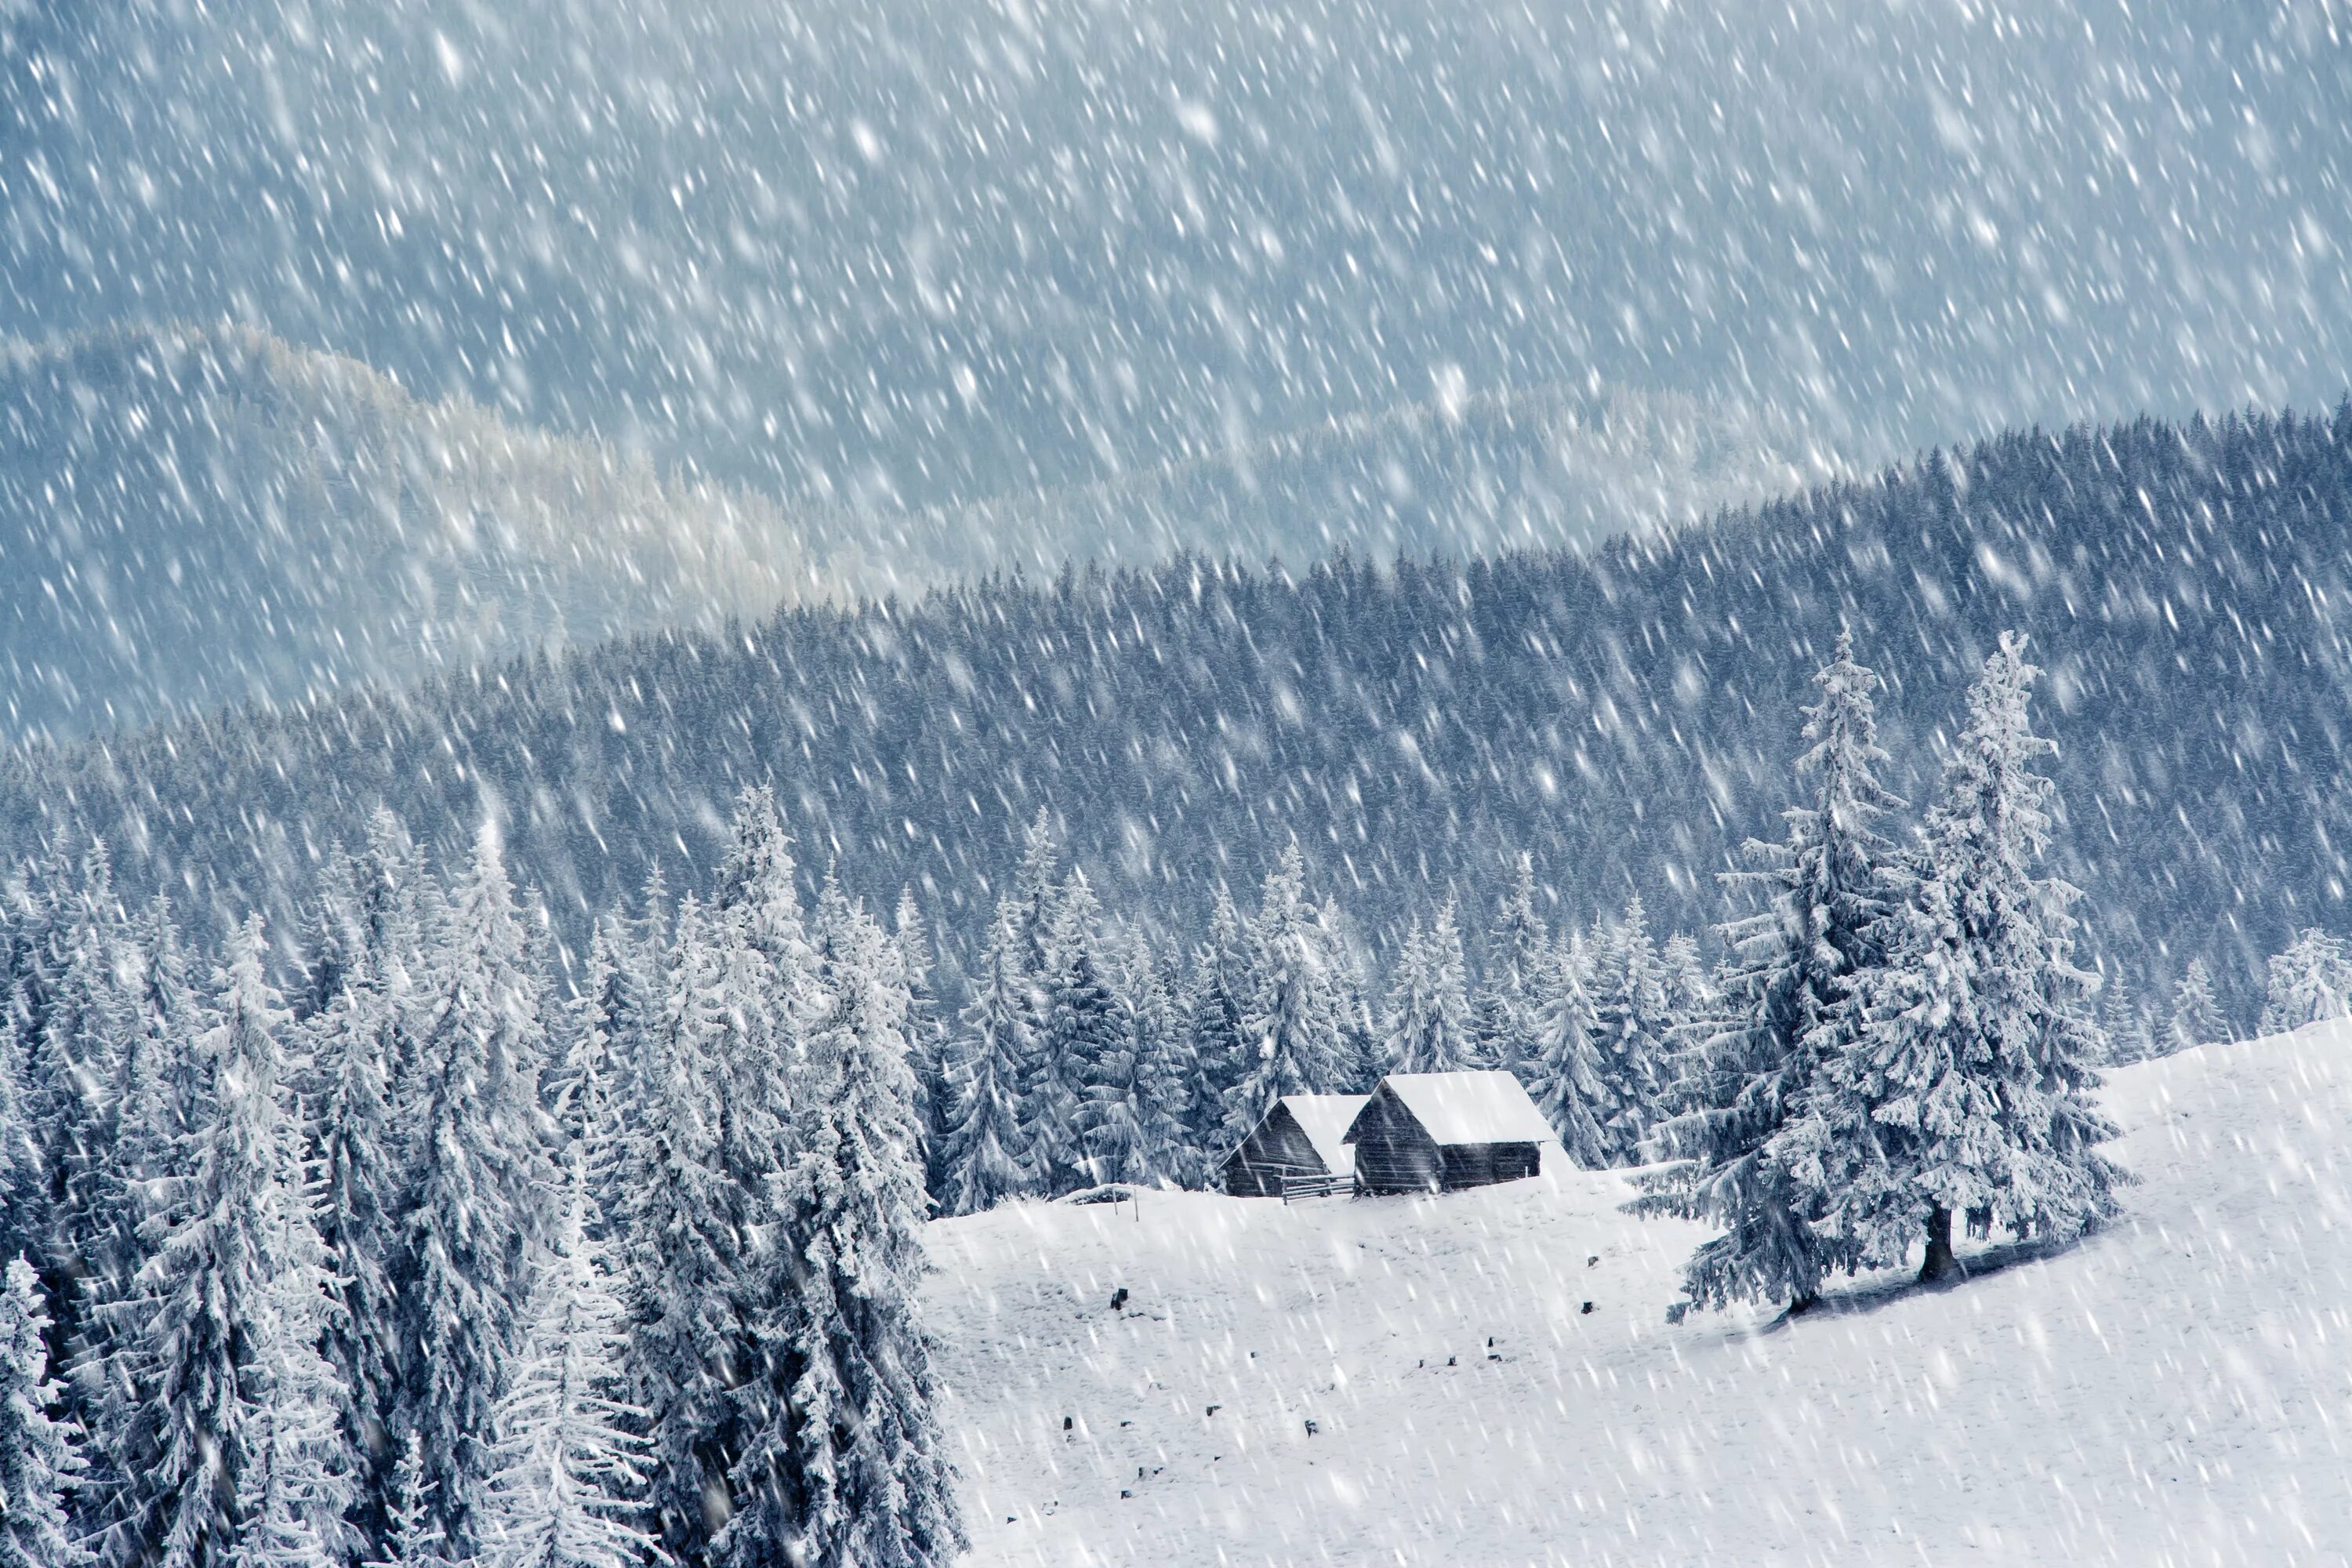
x=1394, y=1153
x=1278, y=1147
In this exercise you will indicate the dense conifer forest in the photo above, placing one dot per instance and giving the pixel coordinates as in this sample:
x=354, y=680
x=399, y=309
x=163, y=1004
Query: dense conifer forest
x=1410, y=726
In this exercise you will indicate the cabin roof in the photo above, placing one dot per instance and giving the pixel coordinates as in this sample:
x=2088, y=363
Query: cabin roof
x=1325, y=1119
x=1468, y=1107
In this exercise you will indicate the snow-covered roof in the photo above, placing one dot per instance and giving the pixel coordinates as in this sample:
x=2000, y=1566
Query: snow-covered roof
x=1325, y=1119
x=1471, y=1107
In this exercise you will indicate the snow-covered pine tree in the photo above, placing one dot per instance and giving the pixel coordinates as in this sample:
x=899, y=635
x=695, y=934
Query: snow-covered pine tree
x=1630, y=995
x=567, y=1476
x=683, y=1220
x=2196, y=1017
x=1079, y=1106
x=41, y=1461
x=1427, y=1026
x=1036, y=891
x=863, y=1481
x=2308, y=983
x=1507, y=1013
x=354, y=1039
x=1966, y=1088
x=299, y=1478
x=478, y=1189
x=1161, y=1048
x=1297, y=1022
x=1563, y=1076
x=74, y=1067
x=991, y=1057
x=608, y=1026
x=2124, y=1022
x=1826, y=890
x=927, y=1035
x=1214, y=1000
x=237, y=1255
x=412, y=1532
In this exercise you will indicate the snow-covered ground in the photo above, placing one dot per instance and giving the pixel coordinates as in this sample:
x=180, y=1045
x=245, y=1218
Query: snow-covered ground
x=2177, y=1390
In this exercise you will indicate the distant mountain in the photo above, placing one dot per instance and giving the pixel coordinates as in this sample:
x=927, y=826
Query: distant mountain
x=191, y=518
x=1459, y=474
x=198, y=517
x=1627, y=715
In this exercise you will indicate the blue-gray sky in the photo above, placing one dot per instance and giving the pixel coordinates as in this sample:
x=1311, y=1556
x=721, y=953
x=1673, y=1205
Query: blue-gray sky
x=907, y=251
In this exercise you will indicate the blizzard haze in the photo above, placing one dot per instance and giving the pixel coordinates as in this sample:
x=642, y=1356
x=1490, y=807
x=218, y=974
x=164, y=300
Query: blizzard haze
x=898, y=253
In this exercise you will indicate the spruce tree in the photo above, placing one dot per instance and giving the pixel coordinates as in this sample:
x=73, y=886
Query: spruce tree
x=2196, y=1017
x=567, y=1472
x=1826, y=890
x=41, y=1461
x=412, y=1531
x=984, y=1154
x=2124, y=1024
x=354, y=1039
x=1564, y=1074
x=1962, y=1084
x=1078, y=1106
x=229, y=1387
x=1163, y=1072
x=2308, y=983
x=1508, y=1008
x=1296, y=1020
x=685, y=1222
x=1427, y=1026
x=864, y=1482
x=927, y=1034
x=1214, y=999
x=481, y=1171
x=1630, y=998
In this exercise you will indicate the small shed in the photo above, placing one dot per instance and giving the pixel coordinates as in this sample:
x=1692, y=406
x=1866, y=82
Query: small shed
x=1438, y=1131
x=1302, y=1135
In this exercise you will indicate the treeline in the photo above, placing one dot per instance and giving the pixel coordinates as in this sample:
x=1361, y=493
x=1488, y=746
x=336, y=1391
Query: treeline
x=417, y=1263
x=1413, y=727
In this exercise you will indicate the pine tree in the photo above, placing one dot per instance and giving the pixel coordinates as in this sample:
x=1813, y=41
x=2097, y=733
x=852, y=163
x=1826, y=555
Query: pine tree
x=354, y=1039
x=1077, y=1105
x=1964, y=1086
x=232, y=1403
x=1564, y=1074
x=565, y=1490
x=983, y=1150
x=1508, y=1010
x=1297, y=1014
x=863, y=1481
x=1630, y=997
x=412, y=1535
x=480, y=1172
x=927, y=1035
x=73, y=1074
x=2308, y=983
x=41, y=1461
x=685, y=1220
x=1427, y=1027
x=299, y=1480
x=2125, y=1024
x=1827, y=888
x=1163, y=1072
x=1214, y=1000
x=2196, y=1016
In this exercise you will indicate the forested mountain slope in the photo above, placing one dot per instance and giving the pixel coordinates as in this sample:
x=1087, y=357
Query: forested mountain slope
x=1625, y=716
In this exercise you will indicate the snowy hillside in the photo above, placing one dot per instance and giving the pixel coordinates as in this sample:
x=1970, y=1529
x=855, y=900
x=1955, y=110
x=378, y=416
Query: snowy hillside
x=2177, y=1390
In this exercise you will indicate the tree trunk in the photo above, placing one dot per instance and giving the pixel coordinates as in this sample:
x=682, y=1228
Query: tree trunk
x=1940, y=1262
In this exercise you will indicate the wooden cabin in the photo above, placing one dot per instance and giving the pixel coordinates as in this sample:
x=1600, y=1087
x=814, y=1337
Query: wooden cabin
x=1302, y=1135
x=1439, y=1131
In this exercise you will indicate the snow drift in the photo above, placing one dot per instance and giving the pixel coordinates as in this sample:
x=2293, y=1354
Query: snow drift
x=1406, y=1380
